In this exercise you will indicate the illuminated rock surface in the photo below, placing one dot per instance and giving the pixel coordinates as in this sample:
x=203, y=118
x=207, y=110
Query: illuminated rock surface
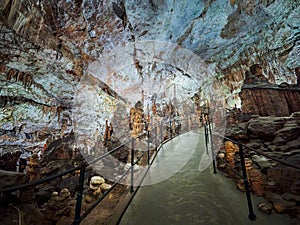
x=68, y=66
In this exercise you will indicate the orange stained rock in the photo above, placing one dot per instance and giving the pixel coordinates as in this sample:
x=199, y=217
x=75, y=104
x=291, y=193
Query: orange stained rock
x=232, y=2
x=230, y=147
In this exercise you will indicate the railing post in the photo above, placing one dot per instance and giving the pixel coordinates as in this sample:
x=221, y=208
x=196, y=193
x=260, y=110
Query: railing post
x=132, y=167
x=155, y=134
x=251, y=216
x=206, y=137
x=208, y=130
x=171, y=136
x=77, y=219
x=161, y=131
x=212, y=148
x=148, y=147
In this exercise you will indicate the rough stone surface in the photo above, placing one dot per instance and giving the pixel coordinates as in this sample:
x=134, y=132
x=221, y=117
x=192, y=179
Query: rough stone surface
x=9, y=179
x=60, y=75
x=273, y=101
x=264, y=128
x=277, y=137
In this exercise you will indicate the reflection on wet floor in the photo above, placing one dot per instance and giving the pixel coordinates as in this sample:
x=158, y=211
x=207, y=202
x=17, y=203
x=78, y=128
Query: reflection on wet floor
x=190, y=196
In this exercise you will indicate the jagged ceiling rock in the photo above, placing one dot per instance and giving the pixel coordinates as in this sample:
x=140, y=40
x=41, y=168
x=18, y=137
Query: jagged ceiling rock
x=56, y=43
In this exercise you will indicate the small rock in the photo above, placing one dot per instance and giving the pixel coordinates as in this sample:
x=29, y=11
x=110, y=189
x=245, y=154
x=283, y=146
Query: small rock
x=265, y=207
x=96, y=181
x=221, y=155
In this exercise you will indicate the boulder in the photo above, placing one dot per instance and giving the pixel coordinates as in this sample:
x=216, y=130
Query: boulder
x=54, y=167
x=44, y=194
x=279, y=203
x=262, y=162
x=287, y=134
x=237, y=131
x=264, y=128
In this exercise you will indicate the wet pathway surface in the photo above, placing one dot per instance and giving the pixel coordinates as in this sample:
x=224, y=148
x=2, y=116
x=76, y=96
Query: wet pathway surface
x=190, y=196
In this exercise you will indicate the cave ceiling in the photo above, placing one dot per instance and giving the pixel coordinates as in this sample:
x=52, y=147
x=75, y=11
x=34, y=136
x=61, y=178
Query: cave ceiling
x=55, y=51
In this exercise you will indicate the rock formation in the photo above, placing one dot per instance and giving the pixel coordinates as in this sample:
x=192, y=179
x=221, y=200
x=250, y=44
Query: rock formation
x=277, y=137
x=49, y=49
x=59, y=205
x=96, y=188
x=265, y=99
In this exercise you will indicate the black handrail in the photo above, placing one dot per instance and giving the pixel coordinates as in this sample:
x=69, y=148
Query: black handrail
x=259, y=152
x=78, y=218
x=242, y=146
x=40, y=181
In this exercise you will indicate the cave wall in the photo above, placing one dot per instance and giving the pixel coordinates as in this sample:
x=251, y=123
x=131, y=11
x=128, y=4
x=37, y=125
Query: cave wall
x=47, y=46
x=270, y=100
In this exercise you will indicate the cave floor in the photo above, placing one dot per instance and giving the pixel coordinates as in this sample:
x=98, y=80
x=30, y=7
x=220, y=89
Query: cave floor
x=191, y=193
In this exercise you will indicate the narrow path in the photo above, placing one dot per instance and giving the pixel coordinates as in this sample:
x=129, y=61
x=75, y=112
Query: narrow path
x=187, y=196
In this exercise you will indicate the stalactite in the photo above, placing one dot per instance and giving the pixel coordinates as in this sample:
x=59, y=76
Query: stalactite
x=20, y=76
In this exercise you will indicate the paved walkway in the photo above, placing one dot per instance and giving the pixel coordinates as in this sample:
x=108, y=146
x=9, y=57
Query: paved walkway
x=176, y=192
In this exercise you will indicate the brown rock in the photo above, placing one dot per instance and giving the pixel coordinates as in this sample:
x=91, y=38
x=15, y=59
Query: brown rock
x=280, y=205
x=265, y=207
x=59, y=205
x=237, y=131
x=270, y=100
x=257, y=181
x=288, y=133
x=264, y=128
x=283, y=206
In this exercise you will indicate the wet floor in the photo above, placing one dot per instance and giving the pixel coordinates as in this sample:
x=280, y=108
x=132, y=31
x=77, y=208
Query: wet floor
x=184, y=195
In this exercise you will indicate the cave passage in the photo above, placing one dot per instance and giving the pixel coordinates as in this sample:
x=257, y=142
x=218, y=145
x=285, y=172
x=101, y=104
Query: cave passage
x=191, y=196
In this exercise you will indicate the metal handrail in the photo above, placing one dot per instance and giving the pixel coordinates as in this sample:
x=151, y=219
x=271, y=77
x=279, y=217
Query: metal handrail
x=259, y=152
x=78, y=218
x=49, y=178
x=40, y=181
x=208, y=126
x=244, y=176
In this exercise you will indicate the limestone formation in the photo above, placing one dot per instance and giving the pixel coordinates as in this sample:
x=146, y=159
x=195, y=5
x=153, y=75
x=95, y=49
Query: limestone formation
x=96, y=187
x=277, y=137
x=108, y=132
x=257, y=181
x=58, y=205
x=261, y=98
x=230, y=149
x=48, y=49
x=137, y=118
x=33, y=167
